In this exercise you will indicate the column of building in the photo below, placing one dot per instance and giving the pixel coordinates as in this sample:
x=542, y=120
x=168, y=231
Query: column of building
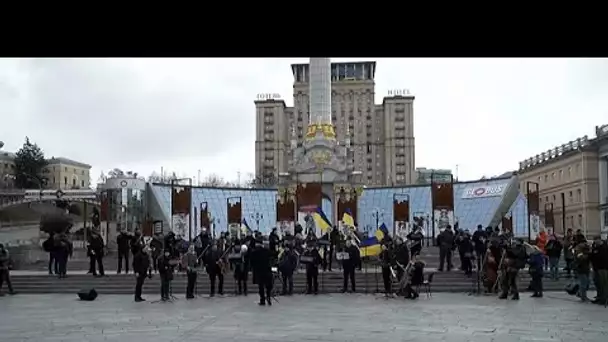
x=603, y=183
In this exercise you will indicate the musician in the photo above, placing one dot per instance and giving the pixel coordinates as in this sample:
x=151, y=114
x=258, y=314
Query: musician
x=156, y=249
x=165, y=270
x=288, y=261
x=96, y=253
x=273, y=242
x=141, y=267
x=569, y=251
x=334, y=243
x=137, y=242
x=123, y=244
x=312, y=259
x=311, y=236
x=241, y=267
x=599, y=262
x=416, y=277
x=260, y=261
x=514, y=260
x=402, y=257
x=170, y=245
x=445, y=240
x=466, y=250
x=349, y=265
x=479, y=240
x=386, y=262
x=215, y=269
x=416, y=238
x=201, y=242
x=190, y=261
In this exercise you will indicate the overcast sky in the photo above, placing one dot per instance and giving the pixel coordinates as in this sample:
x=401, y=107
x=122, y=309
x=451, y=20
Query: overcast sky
x=484, y=115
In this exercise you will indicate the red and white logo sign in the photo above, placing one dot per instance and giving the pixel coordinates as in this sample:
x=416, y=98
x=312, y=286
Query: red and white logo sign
x=484, y=191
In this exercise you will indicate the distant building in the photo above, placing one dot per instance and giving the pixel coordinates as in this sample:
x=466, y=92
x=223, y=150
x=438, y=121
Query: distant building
x=65, y=173
x=62, y=173
x=572, y=179
x=425, y=176
x=382, y=134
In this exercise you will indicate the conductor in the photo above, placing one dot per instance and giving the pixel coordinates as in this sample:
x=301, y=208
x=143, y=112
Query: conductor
x=262, y=270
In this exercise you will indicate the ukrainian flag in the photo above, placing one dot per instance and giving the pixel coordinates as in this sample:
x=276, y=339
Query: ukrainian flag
x=382, y=232
x=370, y=247
x=245, y=228
x=348, y=219
x=321, y=221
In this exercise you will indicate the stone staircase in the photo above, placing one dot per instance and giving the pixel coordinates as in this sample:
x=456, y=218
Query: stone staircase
x=369, y=279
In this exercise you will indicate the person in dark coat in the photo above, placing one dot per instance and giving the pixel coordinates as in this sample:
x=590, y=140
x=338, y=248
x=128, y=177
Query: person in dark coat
x=64, y=251
x=141, y=267
x=386, y=262
x=156, y=249
x=49, y=246
x=348, y=266
x=553, y=249
x=312, y=259
x=260, y=261
x=466, y=250
x=479, y=240
x=96, y=249
x=5, y=270
x=416, y=238
x=137, y=242
x=599, y=262
x=334, y=244
x=213, y=266
x=445, y=240
x=165, y=270
x=123, y=244
x=536, y=270
x=402, y=257
x=240, y=266
x=287, y=266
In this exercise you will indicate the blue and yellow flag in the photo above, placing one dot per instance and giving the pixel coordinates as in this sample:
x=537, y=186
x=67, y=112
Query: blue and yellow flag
x=245, y=228
x=382, y=232
x=348, y=219
x=370, y=247
x=321, y=221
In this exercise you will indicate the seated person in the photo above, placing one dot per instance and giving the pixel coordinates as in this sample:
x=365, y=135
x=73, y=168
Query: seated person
x=416, y=274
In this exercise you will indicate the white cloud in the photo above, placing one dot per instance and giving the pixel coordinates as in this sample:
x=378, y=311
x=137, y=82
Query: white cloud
x=484, y=115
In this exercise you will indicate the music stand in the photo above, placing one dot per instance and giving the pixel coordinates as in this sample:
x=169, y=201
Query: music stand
x=171, y=299
x=275, y=275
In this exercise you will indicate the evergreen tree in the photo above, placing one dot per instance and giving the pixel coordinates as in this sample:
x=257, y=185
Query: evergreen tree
x=30, y=166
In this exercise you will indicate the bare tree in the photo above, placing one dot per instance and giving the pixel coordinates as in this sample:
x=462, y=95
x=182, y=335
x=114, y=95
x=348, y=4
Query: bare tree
x=214, y=180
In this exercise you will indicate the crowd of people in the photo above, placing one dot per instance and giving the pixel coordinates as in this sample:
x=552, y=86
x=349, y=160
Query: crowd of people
x=275, y=259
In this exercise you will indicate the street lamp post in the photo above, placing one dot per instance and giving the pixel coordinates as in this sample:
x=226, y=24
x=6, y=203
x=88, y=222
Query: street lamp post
x=213, y=221
x=257, y=217
x=377, y=214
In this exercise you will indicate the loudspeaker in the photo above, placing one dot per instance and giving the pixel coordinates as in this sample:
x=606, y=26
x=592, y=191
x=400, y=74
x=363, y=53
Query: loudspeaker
x=87, y=294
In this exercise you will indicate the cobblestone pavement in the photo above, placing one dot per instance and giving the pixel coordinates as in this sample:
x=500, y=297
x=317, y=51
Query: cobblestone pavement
x=445, y=317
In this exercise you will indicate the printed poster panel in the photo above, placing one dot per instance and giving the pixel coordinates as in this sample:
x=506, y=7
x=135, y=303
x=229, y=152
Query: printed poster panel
x=234, y=229
x=179, y=225
x=286, y=227
x=443, y=218
x=402, y=229
x=534, y=225
x=307, y=222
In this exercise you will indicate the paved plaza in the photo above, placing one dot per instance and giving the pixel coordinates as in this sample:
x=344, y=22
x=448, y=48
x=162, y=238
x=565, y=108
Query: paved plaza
x=445, y=317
